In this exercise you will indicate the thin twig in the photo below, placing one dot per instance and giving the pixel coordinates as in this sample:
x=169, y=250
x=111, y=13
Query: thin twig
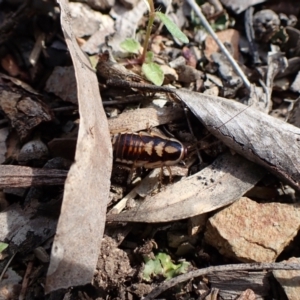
x=149, y=28
x=251, y=36
x=140, y=86
x=192, y=132
x=267, y=93
x=238, y=267
x=128, y=99
x=7, y=265
x=207, y=26
x=26, y=280
x=64, y=108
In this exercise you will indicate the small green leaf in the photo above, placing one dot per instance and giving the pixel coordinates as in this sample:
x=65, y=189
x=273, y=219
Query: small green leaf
x=94, y=60
x=153, y=72
x=163, y=265
x=3, y=246
x=149, y=57
x=130, y=45
x=172, y=27
x=152, y=267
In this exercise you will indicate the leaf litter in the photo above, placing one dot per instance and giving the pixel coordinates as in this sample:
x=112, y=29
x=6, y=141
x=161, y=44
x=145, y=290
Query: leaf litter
x=42, y=131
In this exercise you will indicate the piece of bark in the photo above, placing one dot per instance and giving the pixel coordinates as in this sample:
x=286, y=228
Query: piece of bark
x=88, y=180
x=257, y=136
x=24, y=109
x=216, y=269
x=19, y=176
x=220, y=184
x=232, y=284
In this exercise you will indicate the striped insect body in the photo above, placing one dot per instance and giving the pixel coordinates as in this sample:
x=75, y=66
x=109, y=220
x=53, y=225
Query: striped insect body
x=147, y=150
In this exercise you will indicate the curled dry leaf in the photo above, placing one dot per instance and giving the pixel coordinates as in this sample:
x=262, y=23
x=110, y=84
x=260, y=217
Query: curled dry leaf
x=82, y=219
x=220, y=184
x=257, y=136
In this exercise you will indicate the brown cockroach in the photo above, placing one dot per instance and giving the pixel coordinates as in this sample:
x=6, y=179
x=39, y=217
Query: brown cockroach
x=148, y=150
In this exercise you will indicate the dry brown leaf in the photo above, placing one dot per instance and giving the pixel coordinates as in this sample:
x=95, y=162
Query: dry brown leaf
x=220, y=184
x=80, y=228
x=261, y=138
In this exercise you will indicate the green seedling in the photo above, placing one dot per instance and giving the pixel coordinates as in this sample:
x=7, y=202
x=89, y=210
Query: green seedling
x=162, y=265
x=152, y=70
x=131, y=45
x=3, y=246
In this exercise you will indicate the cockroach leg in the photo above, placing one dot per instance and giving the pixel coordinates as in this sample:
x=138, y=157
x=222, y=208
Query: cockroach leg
x=170, y=173
x=130, y=175
x=161, y=174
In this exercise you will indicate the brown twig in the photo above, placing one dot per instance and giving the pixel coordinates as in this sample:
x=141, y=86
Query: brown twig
x=26, y=280
x=239, y=267
x=140, y=86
